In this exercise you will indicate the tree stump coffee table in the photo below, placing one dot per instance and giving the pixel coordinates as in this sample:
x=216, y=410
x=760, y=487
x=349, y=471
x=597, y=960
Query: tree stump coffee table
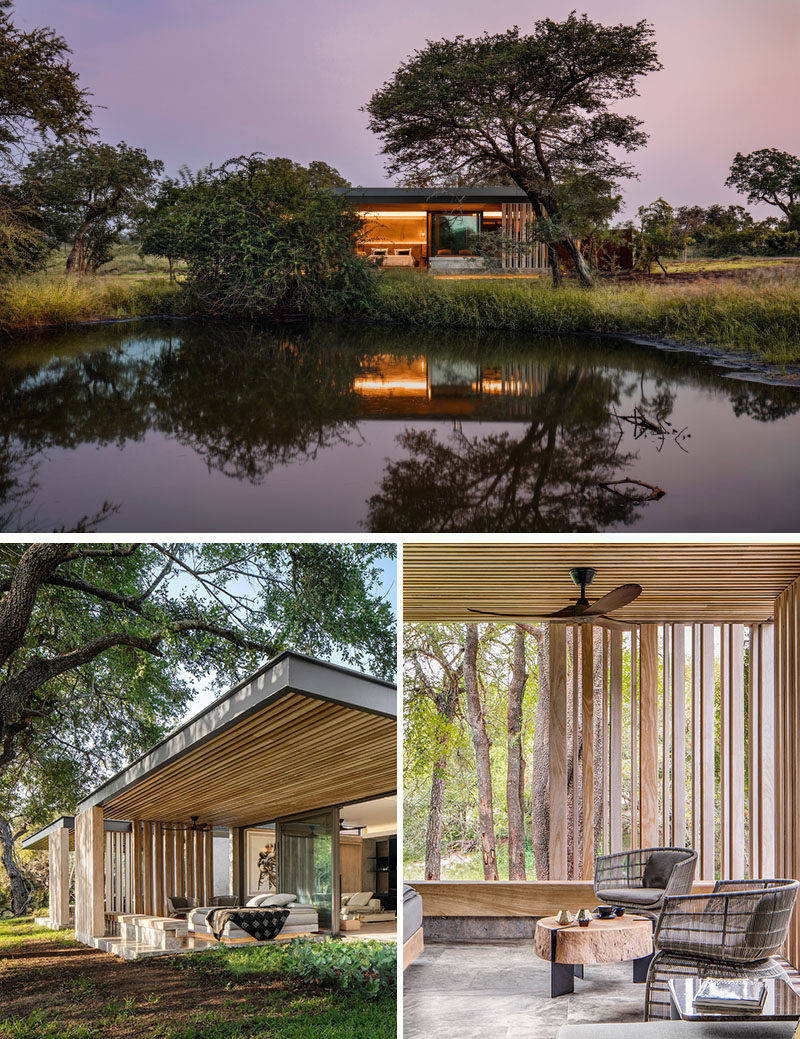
x=569, y=947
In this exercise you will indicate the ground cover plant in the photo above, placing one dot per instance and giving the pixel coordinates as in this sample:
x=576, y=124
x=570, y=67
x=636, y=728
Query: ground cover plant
x=52, y=986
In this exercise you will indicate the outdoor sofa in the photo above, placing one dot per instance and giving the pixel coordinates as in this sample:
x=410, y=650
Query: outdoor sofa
x=361, y=904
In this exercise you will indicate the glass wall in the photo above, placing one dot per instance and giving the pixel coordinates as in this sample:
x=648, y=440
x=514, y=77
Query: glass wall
x=305, y=861
x=452, y=234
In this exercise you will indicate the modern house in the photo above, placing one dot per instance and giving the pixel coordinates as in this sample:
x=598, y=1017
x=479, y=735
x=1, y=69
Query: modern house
x=287, y=783
x=436, y=227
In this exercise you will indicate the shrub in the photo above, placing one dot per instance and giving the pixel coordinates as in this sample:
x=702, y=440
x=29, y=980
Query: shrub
x=366, y=967
x=263, y=237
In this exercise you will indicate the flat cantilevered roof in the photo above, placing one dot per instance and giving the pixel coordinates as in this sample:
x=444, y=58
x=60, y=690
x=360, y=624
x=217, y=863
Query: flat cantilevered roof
x=299, y=734
x=491, y=193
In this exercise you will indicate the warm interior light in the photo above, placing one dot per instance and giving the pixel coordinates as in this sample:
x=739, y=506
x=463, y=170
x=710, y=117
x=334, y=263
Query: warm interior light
x=383, y=215
x=494, y=214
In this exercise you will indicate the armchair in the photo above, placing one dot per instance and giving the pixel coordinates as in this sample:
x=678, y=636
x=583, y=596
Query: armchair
x=640, y=879
x=179, y=906
x=733, y=932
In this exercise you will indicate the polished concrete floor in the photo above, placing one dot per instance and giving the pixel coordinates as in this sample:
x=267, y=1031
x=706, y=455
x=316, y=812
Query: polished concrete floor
x=501, y=990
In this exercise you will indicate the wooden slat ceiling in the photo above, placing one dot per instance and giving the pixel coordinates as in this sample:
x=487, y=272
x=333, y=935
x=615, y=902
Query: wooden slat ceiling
x=294, y=755
x=680, y=582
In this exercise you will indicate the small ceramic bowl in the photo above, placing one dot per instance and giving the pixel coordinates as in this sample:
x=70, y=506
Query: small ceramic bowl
x=620, y=910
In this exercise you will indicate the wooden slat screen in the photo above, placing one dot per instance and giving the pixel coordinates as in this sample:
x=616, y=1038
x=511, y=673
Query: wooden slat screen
x=787, y=747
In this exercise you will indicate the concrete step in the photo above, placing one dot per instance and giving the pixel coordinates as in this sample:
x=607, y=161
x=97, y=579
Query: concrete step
x=128, y=950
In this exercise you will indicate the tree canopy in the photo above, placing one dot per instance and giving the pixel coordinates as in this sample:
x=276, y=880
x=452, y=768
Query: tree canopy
x=535, y=110
x=771, y=176
x=85, y=193
x=40, y=97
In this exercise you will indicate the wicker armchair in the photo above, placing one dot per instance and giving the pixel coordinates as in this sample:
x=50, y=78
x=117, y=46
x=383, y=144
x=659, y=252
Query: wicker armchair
x=640, y=879
x=179, y=906
x=731, y=933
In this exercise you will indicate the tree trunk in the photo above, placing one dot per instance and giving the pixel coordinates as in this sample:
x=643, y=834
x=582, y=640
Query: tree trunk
x=446, y=706
x=19, y=888
x=581, y=266
x=515, y=782
x=75, y=260
x=481, y=743
x=540, y=768
x=555, y=265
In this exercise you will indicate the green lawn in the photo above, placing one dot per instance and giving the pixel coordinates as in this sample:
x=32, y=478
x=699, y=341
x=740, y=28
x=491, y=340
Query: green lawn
x=54, y=987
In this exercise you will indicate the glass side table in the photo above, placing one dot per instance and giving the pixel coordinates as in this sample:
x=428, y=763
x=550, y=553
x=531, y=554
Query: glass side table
x=782, y=1003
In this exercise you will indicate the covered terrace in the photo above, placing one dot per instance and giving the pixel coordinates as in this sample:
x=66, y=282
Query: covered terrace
x=698, y=745
x=257, y=792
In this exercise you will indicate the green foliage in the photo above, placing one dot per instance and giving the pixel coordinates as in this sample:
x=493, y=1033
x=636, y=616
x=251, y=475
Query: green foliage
x=85, y=194
x=41, y=98
x=658, y=235
x=366, y=967
x=266, y=237
x=22, y=247
x=770, y=176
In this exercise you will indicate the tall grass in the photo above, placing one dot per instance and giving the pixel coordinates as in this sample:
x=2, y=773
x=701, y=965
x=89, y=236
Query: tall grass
x=759, y=315
x=61, y=300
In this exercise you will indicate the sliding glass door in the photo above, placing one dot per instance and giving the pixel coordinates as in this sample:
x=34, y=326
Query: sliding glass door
x=307, y=853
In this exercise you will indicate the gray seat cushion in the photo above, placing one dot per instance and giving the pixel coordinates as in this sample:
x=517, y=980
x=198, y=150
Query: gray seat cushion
x=684, y=1030
x=659, y=867
x=639, y=896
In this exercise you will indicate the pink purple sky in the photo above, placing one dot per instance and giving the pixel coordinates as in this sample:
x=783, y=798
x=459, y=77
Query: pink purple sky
x=198, y=81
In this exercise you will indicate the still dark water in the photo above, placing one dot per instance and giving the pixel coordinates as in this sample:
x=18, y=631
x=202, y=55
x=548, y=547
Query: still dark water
x=191, y=427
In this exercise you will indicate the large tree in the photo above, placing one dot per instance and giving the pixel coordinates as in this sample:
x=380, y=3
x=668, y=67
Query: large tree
x=770, y=176
x=535, y=110
x=87, y=194
x=101, y=645
x=40, y=98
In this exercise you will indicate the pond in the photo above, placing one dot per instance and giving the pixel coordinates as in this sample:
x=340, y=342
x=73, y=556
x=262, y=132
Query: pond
x=205, y=427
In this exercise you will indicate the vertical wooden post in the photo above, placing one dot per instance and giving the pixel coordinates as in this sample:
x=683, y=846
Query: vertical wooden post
x=766, y=743
x=180, y=861
x=235, y=865
x=587, y=760
x=577, y=856
x=678, y=672
x=169, y=861
x=648, y=734
x=147, y=867
x=736, y=748
x=198, y=865
x=696, y=751
x=724, y=751
x=189, y=880
x=208, y=863
x=615, y=741
x=138, y=883
x=558, y=752
x=666, y=733
x=158, y=849
x=635, y=836
x=604, y=745
x=89, y=894
x=708, y=712
x=58, y=877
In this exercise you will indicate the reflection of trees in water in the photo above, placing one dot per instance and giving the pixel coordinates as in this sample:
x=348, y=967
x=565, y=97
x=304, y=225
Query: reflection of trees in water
x=247, y=399
x=765, y=403
x=547, y=479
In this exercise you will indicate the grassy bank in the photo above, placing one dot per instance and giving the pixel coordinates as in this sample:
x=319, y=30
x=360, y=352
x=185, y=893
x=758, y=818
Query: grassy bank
x=759, y=315
x=54, y=988
x=61, y=300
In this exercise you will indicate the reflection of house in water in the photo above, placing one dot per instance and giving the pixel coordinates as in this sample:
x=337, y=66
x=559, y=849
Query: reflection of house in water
x=396, y=388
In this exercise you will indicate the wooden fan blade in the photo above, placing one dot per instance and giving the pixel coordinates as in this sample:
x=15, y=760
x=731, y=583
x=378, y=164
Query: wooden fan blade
x=614, y=600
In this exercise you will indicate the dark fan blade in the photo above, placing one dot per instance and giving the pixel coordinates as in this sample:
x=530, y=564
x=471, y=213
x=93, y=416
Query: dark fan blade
x=614, y=600
x=567, y=613
x=612, y=625
x=507, y=616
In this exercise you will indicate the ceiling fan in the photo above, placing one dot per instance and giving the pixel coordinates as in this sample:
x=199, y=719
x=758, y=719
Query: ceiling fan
x=582, y=611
